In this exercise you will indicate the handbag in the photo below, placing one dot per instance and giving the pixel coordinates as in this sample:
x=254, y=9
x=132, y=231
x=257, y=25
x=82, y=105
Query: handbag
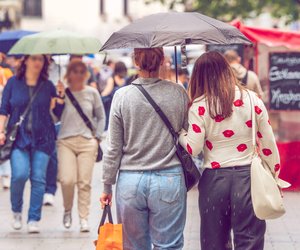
x=110, y=236
x=11, y=135
x=86, y=120
x=265, y=188
x=190, y=170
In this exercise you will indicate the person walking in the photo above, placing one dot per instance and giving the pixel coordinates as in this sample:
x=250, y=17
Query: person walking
x=220, y=125
x=5, y=169
x=36, y=138
x=77, y=145
x=151, y=191
x=247, y=77
x=115, y=82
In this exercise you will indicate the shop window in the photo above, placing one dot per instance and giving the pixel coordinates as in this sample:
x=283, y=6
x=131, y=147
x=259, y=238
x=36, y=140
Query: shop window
x=32, y=8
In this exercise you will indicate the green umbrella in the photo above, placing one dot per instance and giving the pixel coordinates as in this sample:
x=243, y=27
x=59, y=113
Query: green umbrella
x=56, y=42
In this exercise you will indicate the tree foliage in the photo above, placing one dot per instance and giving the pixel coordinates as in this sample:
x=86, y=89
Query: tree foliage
x=228, y=10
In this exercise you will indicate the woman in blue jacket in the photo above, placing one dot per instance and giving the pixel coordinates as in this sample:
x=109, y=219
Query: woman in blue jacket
x=36, y=138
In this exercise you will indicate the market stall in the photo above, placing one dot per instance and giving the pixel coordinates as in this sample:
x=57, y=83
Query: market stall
x=277, y=62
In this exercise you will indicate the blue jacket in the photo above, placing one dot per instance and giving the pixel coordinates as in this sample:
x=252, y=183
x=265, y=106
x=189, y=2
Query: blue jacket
x=14, y=101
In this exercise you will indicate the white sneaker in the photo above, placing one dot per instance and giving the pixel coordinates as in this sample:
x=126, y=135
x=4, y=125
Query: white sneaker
x=67, y=220
x=33, y=227
x=6, y=182
x=84, y=226
x=17, y=221
x=48, y=199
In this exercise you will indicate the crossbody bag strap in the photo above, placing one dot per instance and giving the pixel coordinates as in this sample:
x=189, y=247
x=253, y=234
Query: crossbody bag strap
x=76, y=105
x=253, y=119
x=29, y=105
x=159, y=111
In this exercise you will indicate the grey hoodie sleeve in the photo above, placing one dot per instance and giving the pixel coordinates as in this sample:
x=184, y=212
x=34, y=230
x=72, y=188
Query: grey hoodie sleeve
x=112, y=158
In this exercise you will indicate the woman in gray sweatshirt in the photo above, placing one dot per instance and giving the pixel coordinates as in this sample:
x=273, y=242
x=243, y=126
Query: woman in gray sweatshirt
x=150, y=192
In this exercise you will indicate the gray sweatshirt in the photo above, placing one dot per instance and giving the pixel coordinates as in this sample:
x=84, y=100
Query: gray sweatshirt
x=73, y=125
x=137, y=138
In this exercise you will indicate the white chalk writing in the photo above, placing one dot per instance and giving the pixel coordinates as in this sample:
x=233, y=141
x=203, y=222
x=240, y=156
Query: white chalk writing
x=289, y=98
x=282, y=74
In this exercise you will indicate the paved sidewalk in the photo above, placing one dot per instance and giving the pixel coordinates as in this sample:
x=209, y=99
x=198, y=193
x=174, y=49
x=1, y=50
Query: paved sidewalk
x=283, y=234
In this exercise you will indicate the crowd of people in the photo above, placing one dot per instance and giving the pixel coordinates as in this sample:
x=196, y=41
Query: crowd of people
x=213, y=117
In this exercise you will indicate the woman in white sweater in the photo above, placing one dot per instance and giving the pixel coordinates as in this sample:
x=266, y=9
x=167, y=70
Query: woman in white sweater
x=220, y=126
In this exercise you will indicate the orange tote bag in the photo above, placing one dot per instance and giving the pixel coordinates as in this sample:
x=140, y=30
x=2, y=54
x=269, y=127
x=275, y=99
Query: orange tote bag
x=110, y=235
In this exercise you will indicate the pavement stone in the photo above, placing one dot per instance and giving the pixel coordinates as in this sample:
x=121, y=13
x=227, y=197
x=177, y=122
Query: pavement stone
x=282, y=234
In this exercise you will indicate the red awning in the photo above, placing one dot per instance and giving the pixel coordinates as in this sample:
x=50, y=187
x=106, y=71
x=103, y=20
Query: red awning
x=270, y=37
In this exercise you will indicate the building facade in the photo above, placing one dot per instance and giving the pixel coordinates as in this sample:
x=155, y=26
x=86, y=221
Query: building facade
x=92, y=17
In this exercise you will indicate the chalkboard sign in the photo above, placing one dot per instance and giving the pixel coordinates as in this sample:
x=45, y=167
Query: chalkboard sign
x=284, y=78
x=222, y=48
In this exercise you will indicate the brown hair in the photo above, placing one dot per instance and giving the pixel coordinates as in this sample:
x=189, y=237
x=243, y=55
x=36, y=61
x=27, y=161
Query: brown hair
x=21, y=71
x=120, y=70
x=149, y=59
x=74, y=65
x=213, y=78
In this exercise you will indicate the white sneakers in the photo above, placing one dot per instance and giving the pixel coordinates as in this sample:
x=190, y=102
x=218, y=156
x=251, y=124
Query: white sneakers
x=17, y=221
x=67, y=220
x=84, y=226
x=33, y=227
x=48, y=199
x=5, y=182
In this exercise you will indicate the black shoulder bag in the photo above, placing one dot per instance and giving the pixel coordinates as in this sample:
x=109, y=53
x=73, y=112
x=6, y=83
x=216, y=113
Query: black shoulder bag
x=86, y=120
x=190, y=170
x=11, y=135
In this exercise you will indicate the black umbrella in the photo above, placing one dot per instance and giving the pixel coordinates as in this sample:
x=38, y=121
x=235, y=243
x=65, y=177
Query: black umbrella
x=172, y=29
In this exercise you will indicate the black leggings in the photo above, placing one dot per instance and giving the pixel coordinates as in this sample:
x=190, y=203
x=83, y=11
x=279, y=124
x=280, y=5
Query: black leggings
x=225, y=204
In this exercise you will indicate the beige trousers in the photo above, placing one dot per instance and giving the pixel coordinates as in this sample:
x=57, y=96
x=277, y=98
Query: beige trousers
x=76, y=160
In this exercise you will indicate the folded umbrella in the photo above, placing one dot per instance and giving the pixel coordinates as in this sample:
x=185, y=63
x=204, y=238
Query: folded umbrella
x=57, y=42
x=9, y=38
x=174, y=28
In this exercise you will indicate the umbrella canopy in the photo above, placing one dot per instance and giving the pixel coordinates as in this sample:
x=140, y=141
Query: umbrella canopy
x=9, y=38
x=57, y=42
x=173, y=28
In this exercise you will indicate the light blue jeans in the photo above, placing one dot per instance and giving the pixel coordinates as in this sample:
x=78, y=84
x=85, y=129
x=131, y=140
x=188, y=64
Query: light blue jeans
x=28, y=165
x=151, y=205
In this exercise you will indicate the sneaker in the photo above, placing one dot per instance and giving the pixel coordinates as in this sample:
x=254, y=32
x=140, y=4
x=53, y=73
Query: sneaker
x=6, y=182
x=48, y=199
x=17, y=221
x=67, y=221
x=33, y=227
x=84, y=226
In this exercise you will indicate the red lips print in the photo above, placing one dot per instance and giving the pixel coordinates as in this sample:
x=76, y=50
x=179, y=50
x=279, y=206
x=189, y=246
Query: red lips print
x=257, y=110
x=201, y=110
x=219, y=118
x=269, y=122
x=259, y=135
x=277, y=167
x=209, y=145
x=241, y=147
x=228, y=133
x=249, y=124
x=189, y=149
x=215, y=165
x=196, y=128
x=238, y=103
x=267, y=151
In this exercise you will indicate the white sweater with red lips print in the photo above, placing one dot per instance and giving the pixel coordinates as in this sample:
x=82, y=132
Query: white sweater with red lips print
x=228, y=142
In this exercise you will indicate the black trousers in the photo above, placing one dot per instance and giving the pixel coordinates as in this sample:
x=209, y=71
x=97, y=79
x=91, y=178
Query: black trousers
x=225, y=204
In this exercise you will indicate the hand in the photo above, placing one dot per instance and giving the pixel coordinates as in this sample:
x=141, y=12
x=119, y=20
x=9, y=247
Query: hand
x=105, y=199
x=2, y=138
x=60, y=88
